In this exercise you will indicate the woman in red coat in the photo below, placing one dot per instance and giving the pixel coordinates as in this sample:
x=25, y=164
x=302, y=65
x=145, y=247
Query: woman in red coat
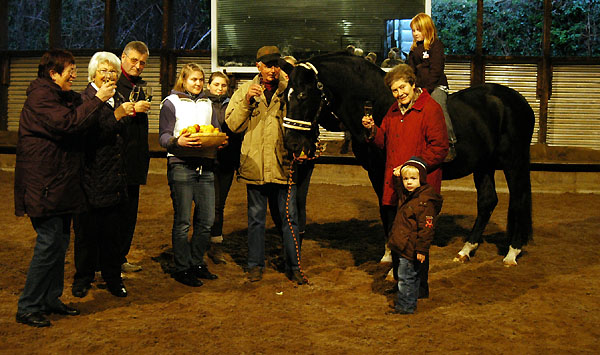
x=413, y=126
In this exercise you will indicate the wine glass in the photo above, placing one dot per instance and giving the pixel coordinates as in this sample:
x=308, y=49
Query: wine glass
x=148, y=93
x=368, y=108
x=134, y=95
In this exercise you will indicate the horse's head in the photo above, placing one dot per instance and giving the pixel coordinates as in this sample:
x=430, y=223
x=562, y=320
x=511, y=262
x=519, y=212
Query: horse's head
x=305, y=98
x=331, y=90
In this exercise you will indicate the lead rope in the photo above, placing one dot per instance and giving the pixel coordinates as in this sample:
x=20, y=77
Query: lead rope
x=287, y=205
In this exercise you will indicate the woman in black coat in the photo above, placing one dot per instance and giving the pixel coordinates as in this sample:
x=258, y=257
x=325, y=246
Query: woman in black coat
x=104, y=184
x=47, y=178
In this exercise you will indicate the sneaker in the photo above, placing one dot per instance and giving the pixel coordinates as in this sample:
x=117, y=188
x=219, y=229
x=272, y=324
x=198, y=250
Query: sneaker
x=215, y=253
x=127, y=267
x=255, y=274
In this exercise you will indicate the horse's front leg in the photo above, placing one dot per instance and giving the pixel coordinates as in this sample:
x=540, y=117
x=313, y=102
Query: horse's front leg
x=387, y=213
x=487, y=199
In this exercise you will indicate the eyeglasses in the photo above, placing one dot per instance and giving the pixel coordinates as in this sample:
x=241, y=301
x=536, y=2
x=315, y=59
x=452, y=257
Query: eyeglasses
x=134, y=61
x=105, y=71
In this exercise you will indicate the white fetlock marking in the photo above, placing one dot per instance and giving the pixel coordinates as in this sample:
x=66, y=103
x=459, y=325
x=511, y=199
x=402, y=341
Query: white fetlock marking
x=467, y=249
x=387, y=257
x=511, y=258
x=217, y=239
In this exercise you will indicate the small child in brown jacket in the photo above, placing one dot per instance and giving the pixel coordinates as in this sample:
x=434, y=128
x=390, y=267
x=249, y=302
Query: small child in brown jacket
x=413, y=229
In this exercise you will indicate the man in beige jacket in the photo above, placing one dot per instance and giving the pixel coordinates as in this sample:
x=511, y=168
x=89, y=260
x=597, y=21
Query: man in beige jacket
x=256, y=110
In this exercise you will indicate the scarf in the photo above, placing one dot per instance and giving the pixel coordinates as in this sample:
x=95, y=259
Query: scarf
x=132, y=79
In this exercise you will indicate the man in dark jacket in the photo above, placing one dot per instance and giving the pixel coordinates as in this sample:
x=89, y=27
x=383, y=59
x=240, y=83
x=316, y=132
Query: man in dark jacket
x=135, y=135
x=47, y=178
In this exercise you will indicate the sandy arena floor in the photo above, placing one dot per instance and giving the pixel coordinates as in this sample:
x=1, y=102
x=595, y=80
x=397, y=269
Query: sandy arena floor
x=548, y=304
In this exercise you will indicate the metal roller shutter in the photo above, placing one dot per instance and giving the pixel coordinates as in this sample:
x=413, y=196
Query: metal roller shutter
x=22, y=72
x=574, y=107
x=204, y=62
x=151, y=75
x=459, y=75
x=521, y=77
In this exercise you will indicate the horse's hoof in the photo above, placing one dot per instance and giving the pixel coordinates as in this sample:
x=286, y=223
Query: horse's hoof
x=387, y=257
x=461, y=258
x=390, y=276
x=464, y=254
x=511, y=257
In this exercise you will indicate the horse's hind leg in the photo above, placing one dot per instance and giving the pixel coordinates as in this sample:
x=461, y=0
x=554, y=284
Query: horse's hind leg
x=486, y=202
x=519, y=224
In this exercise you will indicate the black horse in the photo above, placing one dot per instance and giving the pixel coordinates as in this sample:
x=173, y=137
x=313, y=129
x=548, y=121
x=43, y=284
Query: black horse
x=493, y=125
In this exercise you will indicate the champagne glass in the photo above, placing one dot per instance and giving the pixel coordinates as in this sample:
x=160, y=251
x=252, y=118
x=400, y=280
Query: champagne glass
x=257, y=97
x=148, y=93
x=368, y=108
x=134, y=95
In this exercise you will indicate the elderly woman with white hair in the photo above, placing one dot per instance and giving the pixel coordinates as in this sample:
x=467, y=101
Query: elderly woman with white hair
x=104, y=184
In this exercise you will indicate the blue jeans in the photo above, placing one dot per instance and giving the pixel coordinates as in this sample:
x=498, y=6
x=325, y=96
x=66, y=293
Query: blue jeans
x=257, y=213
x=408, y=286
x=46, y=275
x=191, y=184
x=304, y=173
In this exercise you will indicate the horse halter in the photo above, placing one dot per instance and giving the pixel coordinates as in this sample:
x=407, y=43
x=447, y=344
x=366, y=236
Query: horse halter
x=301, y=125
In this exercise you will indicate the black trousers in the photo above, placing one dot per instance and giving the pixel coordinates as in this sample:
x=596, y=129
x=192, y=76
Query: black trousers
x=388, y=214
x=128, y=212
x=223, y=181
x=97, y=246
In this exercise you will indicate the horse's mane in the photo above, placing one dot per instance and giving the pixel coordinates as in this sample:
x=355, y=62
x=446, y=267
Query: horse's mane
x=344, y=55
